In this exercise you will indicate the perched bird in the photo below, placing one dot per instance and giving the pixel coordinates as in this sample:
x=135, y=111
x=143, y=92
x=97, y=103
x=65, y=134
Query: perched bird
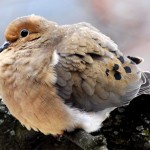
x=55, y=78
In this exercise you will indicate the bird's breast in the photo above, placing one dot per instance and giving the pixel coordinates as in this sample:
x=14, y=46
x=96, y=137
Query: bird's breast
x=35, y=104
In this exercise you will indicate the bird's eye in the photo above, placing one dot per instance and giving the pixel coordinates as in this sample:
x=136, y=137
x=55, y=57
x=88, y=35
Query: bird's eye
x=24, y=33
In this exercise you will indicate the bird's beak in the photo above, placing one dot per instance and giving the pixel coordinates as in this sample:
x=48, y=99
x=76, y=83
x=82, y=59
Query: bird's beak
x=4, y=46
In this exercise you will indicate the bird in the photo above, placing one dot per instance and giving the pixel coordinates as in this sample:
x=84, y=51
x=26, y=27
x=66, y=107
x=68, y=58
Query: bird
x=56, y=78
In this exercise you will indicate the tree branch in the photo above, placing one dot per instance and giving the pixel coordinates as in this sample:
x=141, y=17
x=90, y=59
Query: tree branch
x=128, y=127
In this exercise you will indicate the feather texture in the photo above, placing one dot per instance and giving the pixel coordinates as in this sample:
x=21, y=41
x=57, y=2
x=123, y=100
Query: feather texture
x=101, y=76
x=57, y=78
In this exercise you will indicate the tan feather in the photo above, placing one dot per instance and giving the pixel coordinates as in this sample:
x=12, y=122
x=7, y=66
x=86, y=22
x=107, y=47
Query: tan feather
x=47, y=66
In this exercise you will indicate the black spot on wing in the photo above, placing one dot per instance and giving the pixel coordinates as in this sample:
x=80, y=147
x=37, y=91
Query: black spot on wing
x=115, y=67
x=114, y=52
x=127, y=69
x=107, y=72
x=121, y=59
x=137, y=60
x=117, y=76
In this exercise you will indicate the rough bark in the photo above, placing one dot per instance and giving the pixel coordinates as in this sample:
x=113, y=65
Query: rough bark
x=128, y=127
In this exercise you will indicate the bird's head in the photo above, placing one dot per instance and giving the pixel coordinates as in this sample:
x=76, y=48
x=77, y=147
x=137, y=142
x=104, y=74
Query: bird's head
x=27, y=29
x=30, y=45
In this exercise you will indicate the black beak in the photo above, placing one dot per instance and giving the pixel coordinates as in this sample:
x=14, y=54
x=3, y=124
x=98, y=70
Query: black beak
x=4, y=46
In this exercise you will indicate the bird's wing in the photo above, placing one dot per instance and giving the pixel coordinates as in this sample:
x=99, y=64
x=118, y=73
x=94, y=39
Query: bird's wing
x=92, y=73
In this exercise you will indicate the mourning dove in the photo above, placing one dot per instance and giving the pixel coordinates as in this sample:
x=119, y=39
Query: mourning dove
x=55, y=78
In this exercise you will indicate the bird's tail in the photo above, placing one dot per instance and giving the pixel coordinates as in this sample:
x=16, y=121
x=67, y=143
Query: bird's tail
x=145, y=87
x=140, y=87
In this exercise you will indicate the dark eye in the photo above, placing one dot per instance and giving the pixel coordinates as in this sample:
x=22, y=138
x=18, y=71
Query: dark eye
x=24, y=33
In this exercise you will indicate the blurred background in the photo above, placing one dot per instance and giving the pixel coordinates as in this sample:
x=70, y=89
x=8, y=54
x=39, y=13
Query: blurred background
x=127, y=22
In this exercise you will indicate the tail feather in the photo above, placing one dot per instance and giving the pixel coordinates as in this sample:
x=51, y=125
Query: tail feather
x=137, y=88
x=145, y=87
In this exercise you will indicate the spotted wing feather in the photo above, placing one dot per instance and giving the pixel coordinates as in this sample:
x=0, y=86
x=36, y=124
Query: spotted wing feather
x=92, y=73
